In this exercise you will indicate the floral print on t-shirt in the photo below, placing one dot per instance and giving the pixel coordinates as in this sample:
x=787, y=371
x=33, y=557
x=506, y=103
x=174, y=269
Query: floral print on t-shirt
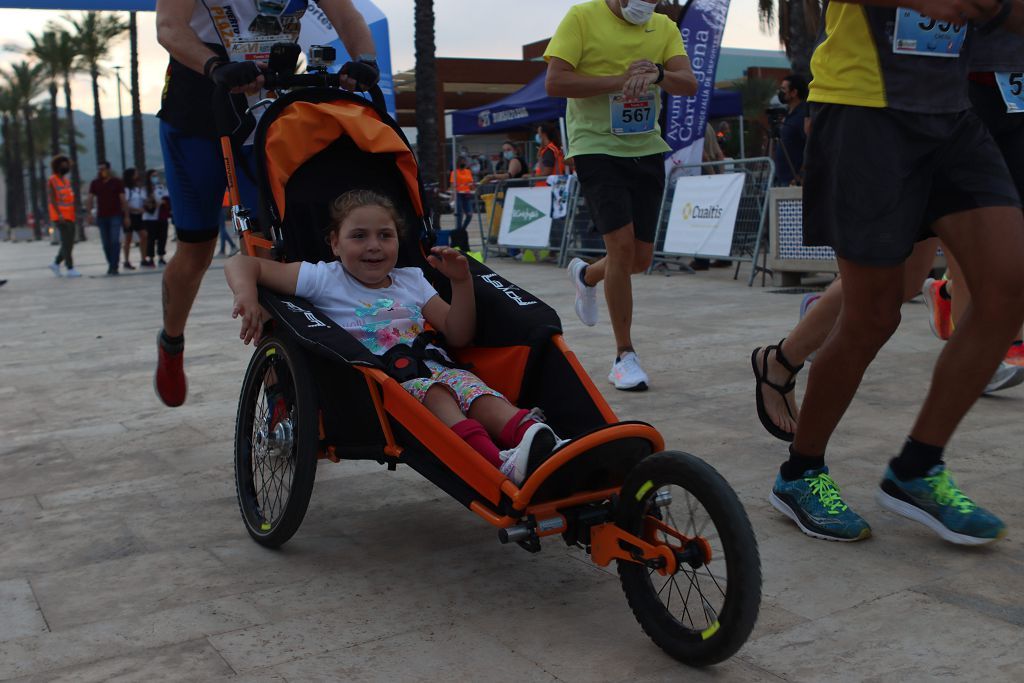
x=384, y=323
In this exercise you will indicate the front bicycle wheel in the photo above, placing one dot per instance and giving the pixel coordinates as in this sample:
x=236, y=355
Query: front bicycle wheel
x=704, y=611
x=276, y=441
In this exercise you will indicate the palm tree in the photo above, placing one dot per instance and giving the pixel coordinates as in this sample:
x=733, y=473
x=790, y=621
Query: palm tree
x=798, y=28
x=66, y=66
x=94, y=34
x=51, y=51
x=26, y=83
x=138, y=142
x=14, y=169
x=428, y=141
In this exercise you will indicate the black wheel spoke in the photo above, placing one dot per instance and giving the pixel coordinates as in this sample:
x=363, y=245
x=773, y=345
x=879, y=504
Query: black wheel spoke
x=715, y=580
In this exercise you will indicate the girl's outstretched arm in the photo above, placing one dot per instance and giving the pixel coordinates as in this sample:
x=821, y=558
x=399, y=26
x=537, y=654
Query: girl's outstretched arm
x=456, y=322
x=243, y=273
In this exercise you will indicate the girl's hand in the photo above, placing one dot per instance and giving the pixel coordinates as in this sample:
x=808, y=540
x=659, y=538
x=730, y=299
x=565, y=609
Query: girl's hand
x=253, y=316
x=450, y=263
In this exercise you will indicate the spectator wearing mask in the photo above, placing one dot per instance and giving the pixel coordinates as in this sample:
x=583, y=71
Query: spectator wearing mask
x=789, y=151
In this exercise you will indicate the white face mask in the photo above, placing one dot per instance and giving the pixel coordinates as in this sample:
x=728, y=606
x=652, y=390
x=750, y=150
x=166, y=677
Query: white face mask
x=638, y=12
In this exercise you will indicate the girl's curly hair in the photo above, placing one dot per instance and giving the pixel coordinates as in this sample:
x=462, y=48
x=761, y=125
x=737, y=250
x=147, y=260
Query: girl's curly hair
x=348, y=202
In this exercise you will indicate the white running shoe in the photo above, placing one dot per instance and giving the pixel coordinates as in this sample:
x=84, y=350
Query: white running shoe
x=627, y=374
x=1006, y=376
x=520, y=462
x=55, y=269
x=586, y=296
x=73, y=273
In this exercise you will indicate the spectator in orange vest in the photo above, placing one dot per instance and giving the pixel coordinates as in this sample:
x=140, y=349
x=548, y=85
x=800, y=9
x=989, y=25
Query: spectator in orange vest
x=61, y=201
x=461, y=180
x=550, y=160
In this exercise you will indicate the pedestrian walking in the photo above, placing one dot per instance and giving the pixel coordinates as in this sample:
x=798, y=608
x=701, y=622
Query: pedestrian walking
x=61, y=200
x=135, y=200
x=107, y=199
x=611, y=59
x=155, y=212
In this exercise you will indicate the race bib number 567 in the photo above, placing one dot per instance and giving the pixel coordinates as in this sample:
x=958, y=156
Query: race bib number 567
x=631, y=115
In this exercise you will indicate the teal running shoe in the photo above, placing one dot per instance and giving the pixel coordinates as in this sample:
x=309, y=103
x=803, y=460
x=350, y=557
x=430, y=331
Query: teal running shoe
x=813, y=502
x=935, y=501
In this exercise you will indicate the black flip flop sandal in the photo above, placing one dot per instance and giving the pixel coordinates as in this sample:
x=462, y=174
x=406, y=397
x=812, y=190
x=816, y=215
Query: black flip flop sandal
x=761, y=379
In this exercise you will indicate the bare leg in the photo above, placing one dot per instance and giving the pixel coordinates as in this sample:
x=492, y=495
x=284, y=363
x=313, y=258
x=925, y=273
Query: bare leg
x=143, y=239
x=870, y=313
x=441, y=403
x=626, y=256
x=991, y=268
x=962, y=300
x=810, y=333
x=182, y=277
x=493, y=413
x=127, y=246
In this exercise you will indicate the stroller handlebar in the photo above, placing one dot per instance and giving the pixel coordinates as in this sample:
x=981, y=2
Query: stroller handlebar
x=229, y=122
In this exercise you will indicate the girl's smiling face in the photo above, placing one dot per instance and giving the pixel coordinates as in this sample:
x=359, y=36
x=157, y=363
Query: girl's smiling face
x=366, y=243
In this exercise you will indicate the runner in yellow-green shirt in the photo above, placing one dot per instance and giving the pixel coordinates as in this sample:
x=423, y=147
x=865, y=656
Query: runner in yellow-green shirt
x=609, y=58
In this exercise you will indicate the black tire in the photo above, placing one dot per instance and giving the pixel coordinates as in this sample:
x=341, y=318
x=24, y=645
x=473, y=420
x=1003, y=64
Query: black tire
x=275, y=455
x=731, y=600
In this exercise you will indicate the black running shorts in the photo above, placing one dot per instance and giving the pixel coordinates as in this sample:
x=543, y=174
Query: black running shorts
x=623, y=190
x=877, y=178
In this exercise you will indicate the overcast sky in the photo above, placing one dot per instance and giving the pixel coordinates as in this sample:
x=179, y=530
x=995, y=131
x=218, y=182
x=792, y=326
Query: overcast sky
x=464, y=28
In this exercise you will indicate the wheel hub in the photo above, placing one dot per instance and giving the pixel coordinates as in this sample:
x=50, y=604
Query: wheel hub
x=275, y=442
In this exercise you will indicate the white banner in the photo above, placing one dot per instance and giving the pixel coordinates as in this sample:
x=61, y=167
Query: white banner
x=704, y=214
x=526, y=218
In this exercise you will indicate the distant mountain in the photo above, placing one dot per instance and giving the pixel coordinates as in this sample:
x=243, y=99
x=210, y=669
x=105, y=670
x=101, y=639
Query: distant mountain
x=86, y=139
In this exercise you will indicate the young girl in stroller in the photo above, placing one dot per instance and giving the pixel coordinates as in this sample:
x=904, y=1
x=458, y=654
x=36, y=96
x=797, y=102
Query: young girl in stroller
x=383, y=306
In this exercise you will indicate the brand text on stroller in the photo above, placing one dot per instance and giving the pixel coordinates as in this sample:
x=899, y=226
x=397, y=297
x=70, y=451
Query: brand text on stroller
x=509, y=290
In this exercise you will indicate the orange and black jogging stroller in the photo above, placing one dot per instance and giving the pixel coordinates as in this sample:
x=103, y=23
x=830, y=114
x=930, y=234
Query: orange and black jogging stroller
x=683, y=544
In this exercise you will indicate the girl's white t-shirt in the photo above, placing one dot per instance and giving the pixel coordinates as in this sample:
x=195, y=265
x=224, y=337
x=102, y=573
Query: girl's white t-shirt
x=378, y=318
x=136, y=197
x=159, y=192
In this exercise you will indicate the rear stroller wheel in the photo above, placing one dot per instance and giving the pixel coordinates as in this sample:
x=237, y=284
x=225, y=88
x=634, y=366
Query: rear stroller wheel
x=704, y=612
x=276, y=439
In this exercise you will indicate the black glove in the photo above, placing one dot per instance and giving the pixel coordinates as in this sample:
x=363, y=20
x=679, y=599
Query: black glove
x=234, y=74
x=364, y=72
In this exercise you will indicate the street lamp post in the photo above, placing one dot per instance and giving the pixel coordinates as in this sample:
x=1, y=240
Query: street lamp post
x=120, y=118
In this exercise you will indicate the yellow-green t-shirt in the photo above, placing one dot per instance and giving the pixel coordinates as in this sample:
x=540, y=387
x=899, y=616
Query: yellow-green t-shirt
x=598, y=43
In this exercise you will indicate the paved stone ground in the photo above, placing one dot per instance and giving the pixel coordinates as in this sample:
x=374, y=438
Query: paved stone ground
x=122, y=555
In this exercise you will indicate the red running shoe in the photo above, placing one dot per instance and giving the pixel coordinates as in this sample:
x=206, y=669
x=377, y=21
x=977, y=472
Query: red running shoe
x=1015, y=356
x=940, y=312
x=169, y=380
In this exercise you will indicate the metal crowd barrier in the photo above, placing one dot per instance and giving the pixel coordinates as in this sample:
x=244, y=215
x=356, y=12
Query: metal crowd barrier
x=750, y=234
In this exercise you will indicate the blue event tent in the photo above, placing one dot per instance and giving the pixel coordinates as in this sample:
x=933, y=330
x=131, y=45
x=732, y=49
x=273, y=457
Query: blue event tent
x=376, y=20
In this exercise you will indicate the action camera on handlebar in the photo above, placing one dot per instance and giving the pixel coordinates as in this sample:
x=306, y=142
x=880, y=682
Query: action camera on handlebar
x=321, y=57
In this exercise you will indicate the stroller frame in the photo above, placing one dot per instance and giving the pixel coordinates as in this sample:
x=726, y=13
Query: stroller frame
x=606, y=491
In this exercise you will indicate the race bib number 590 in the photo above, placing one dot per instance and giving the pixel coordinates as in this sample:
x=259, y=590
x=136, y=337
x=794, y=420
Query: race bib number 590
x=1011, y=85
x=916, y=34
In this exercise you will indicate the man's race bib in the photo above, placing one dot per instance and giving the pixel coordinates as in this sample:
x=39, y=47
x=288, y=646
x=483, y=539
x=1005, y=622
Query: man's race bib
x=917, y=34
x=1011, y=85
x=632, y=115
